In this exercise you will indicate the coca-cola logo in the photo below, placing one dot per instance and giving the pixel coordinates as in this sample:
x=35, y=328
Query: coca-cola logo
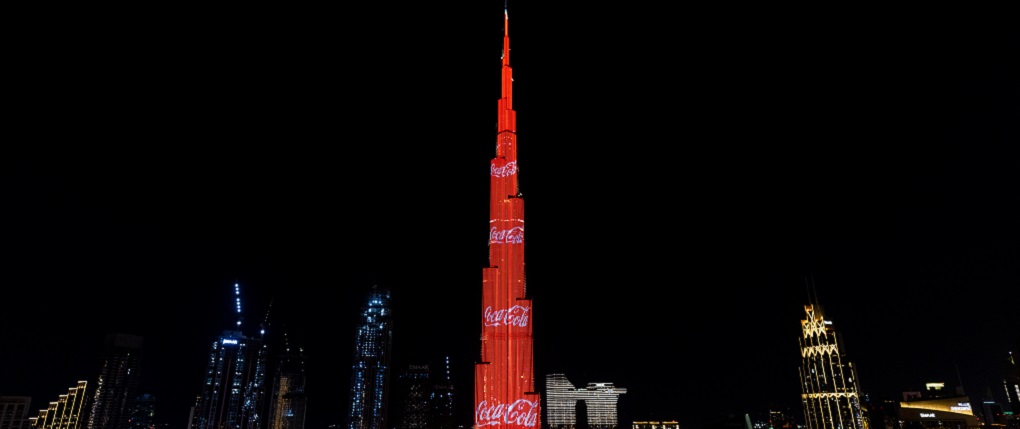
x=513, y=235
x=513, y=316
x=521, y=412
x=507, y=169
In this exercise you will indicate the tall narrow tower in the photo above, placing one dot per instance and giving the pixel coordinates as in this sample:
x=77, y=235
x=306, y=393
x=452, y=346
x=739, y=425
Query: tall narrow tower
x=370, y=371
x=504, y=379
x=233, y=389
x=828, y=382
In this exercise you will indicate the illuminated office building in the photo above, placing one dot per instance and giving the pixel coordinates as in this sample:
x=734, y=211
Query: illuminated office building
x=441, y=401
x=652, y=424
x=562, y=400
x=953, y=412
x=830, y=391
x=289, y=401
x=370, y=370
x=143, y=412
x=1011, y=383
x=14, y=412
x=233, y=391
x=117, y=386
x=505, y=394
x=65, y=412
x=414, y=390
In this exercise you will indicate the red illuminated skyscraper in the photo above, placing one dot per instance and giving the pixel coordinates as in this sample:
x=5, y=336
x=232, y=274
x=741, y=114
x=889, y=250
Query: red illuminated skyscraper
x=505, y=394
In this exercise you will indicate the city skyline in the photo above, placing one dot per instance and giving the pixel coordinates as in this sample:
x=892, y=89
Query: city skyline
x=682, y=193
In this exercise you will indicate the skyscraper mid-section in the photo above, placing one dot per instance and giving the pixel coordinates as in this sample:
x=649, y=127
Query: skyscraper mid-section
x=830, y=390
x=504, y=379
x=370, y=369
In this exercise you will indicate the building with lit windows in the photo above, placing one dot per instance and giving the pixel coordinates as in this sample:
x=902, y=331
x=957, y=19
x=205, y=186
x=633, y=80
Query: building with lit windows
x=413, y=390
x=65, y=412
x=830, y=390
x=598, y=400
x=952, y=412
x=370, y=370
x=233, y=391
x=14, y=412
x=505, y=394
x=441, y=400
x=655, y=425
x=143, y=412
x=1011, y=383
x=289, y=400
x=117, y=386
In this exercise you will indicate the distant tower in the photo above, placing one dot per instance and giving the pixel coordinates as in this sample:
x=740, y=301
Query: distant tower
x=441, y=401
x=233, y=389
x=598, y=402
x=14, y=412
x=65, y=412
x=118, y=382
x=505, y=394
x=414, y=387
x=370, y=370
x=143, y=412
x=829, y=386
x=289, y=399
x=1011, y=382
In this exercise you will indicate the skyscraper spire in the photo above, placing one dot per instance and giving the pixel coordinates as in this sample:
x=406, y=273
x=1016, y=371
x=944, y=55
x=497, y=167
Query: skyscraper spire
x=505, y=394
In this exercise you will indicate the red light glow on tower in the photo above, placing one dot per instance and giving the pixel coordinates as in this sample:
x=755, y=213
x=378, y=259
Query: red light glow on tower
x=505, y=394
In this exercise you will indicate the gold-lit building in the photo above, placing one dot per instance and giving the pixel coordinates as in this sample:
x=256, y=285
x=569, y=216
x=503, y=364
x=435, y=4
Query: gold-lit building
x=655, y=425
x=65, y=412
x=944, y=413
x=830, y=391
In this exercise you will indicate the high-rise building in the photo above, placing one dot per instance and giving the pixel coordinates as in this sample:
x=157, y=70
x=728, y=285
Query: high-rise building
x=655, y=424
x=598, y=400
x=14, y=412
x=441, y=400
x=505, y=394
x=143, y=412
x=1011, y=383
x=117, y=385
x=234, y=388
x=370, y=369
x=65, y=412
x=830, y=390
x=414, y=391
x=289, y=401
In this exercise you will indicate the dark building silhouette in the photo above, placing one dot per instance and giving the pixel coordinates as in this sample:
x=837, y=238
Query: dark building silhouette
x=441, y=400
x=830, y=390
x=233, y=393
x=143, y=412
x=1011, y=383
x=289, y=401
x=14, y=412
x=370, y=370
x=117, y=385
x=413, y=387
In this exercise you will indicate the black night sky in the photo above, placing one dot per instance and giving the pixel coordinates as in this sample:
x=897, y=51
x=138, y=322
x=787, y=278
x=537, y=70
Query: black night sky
x=684, y=173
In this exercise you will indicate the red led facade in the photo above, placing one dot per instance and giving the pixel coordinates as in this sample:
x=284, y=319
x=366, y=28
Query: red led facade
x=505, y=394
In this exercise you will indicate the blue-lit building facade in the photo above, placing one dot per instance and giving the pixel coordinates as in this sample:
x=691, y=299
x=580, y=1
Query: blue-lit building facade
x=233, y=393
x=370, y=369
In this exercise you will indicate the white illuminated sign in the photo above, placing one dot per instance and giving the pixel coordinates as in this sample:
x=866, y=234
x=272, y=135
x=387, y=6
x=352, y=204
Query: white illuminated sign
x=513, y=235
x=507, y=169
x=521, y=412
x=928, y=415
x=961, y=406
x=229, y=341
x=513, y=316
